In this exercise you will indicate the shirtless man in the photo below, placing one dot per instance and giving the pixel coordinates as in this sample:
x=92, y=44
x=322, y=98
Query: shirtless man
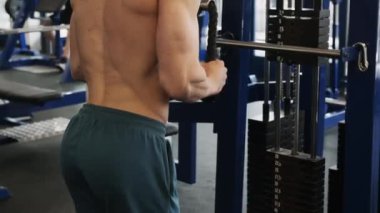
x=134, y=56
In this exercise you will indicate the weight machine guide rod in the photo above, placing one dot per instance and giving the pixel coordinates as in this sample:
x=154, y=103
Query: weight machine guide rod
x=33, y=29
x=282, y=48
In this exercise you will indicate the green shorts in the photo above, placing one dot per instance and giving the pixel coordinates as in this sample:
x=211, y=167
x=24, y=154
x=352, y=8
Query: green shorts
x=116, y=161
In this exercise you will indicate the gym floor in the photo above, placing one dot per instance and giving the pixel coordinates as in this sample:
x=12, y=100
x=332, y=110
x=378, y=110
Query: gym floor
x=31, y=171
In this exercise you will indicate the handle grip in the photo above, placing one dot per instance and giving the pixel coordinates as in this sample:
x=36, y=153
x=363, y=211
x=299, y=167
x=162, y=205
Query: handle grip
x=211, y=52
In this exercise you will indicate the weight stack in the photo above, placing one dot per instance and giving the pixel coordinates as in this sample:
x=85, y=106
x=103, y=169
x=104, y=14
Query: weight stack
x=265, y=131
x=335, y=195
x=299, y=183
x=299, y=27
x=261, y=137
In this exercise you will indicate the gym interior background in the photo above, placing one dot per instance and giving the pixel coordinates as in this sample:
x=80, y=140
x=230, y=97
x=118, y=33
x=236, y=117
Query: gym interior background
x=225, y=149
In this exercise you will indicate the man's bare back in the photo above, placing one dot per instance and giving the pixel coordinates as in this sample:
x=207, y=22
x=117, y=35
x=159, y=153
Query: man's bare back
x=135, y=55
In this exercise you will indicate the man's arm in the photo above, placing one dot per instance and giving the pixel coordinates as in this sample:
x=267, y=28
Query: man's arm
x=180, y=72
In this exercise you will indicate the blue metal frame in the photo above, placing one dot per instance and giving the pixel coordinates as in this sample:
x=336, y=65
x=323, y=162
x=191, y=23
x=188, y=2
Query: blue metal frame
x=361, y=179
x=187, y=115
x=361, y=173
x=228, y=113
x=332, y=118
x=203, y=19
x=231, y=113
x=4, y=193
x=12, y=40
x=187, y=159
x=58, y=44
x=10, y=45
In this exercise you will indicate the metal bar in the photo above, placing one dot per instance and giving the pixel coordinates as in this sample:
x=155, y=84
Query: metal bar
x=297, y=109
x=288, y=98
x=321, y=110
x=33, y=29
x=266, y=74
x=266, y=82
x=281, y=48
x=314, y=113
x=277, y=107
x=334, y=28
x=288, y=84
x=306, y=105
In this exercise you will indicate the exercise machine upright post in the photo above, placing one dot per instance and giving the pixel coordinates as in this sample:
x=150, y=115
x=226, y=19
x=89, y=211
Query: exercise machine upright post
x=361, y=174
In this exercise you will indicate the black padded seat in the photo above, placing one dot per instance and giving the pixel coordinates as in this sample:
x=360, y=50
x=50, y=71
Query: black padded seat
x=171, y=130
x=15, y=91
x=50, y=6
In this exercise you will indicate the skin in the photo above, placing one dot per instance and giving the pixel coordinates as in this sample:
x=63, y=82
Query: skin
x=136, y=55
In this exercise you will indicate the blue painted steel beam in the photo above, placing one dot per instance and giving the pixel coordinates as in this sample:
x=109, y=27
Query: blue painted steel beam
x=58, y=44
x=187, y=149
x=343, y=22
x=7, y=52
x=4, y=193
x=232, y=107
x=22, y=41
x=29, y=62
x=332, y=119
x=361, y=174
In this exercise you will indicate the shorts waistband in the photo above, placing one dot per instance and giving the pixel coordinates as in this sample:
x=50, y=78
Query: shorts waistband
x=124, y=117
